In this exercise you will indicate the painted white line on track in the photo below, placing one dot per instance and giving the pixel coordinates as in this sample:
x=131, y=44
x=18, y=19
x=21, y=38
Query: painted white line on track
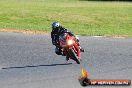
x=104, y=36
x=98, y=36
x=107, y=37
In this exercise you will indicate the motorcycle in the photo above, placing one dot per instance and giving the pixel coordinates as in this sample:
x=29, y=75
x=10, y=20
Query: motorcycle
x=70, y=47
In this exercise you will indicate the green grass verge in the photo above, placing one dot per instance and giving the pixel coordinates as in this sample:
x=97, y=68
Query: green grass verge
x=81, y=17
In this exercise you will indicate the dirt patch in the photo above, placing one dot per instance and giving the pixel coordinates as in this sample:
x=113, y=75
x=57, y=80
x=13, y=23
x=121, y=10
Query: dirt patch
x=23, y=31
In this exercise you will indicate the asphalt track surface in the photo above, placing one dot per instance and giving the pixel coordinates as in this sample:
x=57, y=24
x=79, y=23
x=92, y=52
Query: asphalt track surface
x=29, y=61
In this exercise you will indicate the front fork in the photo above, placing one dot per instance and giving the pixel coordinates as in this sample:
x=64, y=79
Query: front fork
x=75, y=47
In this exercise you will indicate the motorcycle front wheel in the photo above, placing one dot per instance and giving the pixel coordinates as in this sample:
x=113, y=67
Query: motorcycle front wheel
x=75, y=57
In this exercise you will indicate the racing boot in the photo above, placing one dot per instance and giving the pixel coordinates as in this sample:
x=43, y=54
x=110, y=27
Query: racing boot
x=58, y=51
x=81, y=49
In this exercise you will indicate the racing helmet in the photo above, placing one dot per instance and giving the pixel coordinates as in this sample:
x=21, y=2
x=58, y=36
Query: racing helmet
x=55, y=25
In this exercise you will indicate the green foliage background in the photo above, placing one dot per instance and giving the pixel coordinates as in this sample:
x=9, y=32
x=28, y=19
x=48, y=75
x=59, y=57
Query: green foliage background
x=81, y=17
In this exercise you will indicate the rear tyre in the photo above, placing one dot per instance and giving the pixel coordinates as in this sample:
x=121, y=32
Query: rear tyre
x=74, y=55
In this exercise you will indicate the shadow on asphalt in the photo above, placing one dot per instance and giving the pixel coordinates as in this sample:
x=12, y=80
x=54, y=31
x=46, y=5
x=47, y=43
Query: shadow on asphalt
x=37, y=66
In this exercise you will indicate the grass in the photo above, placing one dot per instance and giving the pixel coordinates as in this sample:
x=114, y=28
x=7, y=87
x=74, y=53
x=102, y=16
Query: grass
x=81, y=17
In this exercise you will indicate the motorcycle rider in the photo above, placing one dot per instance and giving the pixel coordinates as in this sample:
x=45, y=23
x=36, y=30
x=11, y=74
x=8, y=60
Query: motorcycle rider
x=57, y=30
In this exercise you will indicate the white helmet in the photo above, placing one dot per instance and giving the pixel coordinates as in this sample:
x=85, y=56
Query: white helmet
x=55, y=25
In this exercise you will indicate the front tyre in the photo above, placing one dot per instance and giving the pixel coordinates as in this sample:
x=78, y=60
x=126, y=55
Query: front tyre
x=74, y=56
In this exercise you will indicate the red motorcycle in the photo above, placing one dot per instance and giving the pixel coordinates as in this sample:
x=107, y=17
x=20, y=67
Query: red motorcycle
x=70, y=47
